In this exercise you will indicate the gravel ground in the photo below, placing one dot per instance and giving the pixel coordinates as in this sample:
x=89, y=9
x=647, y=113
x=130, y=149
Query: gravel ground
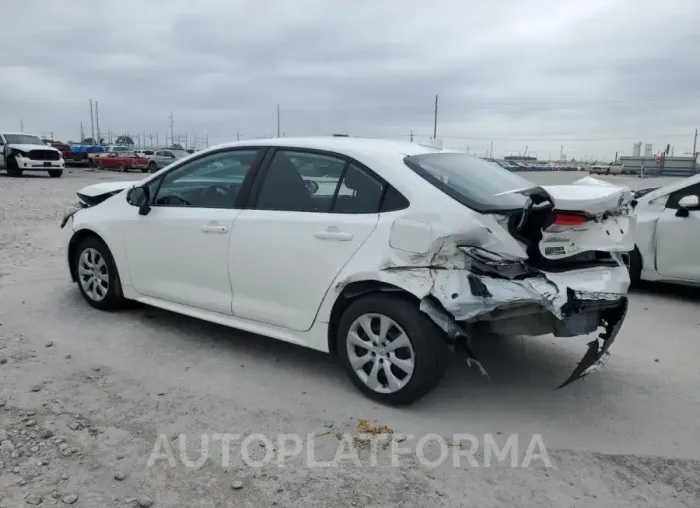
x=85, y=395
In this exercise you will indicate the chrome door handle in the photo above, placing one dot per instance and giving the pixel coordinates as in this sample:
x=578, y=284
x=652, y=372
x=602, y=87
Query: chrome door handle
x=207, y=228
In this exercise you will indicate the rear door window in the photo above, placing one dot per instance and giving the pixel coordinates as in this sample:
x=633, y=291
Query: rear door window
x=302, y=181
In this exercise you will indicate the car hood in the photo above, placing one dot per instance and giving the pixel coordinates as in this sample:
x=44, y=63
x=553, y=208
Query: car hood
x=27, y=148
x=99, y=189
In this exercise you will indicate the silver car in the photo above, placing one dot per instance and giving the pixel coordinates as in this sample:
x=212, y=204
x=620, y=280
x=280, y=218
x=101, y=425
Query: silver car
x=162, y=158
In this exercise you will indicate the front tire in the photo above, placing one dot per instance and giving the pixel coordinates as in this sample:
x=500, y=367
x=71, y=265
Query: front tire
x=633, y=261
x=391, y=350
x=152, y=167
x=13, y=170
x=56, y=173
x=124, y=168
x=98, y=278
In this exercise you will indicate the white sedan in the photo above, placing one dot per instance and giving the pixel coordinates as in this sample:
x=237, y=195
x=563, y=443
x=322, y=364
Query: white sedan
x=667, y=240
x=385, y=254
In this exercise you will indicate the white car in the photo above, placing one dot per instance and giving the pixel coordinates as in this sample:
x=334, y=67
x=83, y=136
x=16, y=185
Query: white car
x=21, y=152
x=411, y=251
x=667, y=239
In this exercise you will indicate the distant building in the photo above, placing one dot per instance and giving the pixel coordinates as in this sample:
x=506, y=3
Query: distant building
x=670, y=166
x=647, y=150
x=637, y=149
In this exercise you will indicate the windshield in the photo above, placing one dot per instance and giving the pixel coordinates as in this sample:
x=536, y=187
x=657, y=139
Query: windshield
x=22, y=139
x=474, y=182
x=179, y=154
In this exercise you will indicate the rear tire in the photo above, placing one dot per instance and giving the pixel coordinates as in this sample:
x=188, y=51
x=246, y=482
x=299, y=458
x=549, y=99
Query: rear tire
x=56, y=173
x=13, y=169
x=124, y=168
x=94, y=266
x=424, y=354
x=152, y=167
x=99, y=165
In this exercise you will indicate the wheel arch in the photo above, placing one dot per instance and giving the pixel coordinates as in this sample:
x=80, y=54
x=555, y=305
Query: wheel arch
x=73, y=244
x=350, y=292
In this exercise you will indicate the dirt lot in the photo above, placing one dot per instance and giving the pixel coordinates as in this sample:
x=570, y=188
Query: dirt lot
x=85, y=395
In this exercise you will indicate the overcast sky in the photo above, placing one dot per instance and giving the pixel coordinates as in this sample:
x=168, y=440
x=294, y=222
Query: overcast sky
x=592, y=75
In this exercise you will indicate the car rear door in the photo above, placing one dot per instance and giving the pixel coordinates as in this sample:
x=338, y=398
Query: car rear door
x=178, y=252
x=678, y=238
x=295, y=236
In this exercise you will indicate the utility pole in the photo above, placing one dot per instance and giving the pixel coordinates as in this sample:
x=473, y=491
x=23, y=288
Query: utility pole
x=278, y=120
x=492, y=149
x=561, y=153
x=411, y=136
x=435, y=118
x=695, y=143
x=172, y=135
x=92, y=123
x=97, y=123
x=82, y=132
x=21, y=126
x=238, y=136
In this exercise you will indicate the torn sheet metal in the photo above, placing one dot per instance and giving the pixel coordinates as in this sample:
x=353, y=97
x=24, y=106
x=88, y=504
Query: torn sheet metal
x=598, y=352
x=455, y=290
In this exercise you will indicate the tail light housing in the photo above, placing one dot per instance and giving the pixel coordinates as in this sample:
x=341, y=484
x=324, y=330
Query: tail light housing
x=569, y=219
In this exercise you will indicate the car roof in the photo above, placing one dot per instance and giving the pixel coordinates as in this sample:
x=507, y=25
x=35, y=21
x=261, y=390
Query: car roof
x=342, y=145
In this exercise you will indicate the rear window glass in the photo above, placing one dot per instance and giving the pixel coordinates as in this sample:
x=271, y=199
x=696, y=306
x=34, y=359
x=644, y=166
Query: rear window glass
x=476, y=183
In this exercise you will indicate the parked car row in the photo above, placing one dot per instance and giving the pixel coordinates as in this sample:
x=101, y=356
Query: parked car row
x=537, y=166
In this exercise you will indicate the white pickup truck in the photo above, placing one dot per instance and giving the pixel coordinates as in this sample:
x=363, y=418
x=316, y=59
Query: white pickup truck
x=21, y=152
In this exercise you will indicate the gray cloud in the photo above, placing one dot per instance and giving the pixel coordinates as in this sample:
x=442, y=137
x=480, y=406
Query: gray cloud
x=593, y=76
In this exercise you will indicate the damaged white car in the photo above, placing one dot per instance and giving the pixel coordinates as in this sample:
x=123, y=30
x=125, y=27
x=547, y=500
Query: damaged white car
x=385, y=254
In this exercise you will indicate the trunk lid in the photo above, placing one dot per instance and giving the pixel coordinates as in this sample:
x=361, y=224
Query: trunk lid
x=566, y=225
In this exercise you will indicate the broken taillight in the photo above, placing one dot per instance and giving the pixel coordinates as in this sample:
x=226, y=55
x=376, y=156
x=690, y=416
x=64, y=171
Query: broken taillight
x=569, y=219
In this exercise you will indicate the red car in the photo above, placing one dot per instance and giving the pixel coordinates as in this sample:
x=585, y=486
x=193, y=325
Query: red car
x=123, y=162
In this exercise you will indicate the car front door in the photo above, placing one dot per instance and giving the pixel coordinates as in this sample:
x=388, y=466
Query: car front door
x=178, y=252
x=678, y=238
x=310, y=212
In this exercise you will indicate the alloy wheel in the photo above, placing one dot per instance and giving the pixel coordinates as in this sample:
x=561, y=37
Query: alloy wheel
x=93, y=274
x=380, y=352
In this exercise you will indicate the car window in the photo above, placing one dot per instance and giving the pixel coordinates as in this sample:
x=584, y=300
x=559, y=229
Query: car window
x=285, y=187
x=479, y=184
x=312, y=182
x=212, y=181
x=359, y=192
x=675, y=197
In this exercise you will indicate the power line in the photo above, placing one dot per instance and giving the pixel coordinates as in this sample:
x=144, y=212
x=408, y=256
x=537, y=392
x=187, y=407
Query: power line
x=495, y=138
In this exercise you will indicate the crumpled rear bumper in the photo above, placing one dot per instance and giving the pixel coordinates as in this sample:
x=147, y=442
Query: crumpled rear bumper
x=461, y=297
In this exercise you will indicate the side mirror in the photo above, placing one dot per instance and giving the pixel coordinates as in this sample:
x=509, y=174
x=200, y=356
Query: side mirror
x=691, y=202
x=139, y=197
